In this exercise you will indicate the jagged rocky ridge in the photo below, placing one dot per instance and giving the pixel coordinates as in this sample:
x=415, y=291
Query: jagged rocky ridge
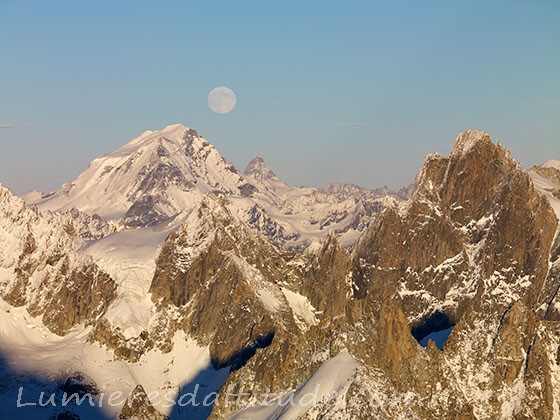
x=41, y=270
x=484, y=232
x=473, y=242
x=477, y=242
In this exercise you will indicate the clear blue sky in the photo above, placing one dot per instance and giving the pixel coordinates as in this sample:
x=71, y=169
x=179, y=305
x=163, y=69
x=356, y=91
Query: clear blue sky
x=327, y=90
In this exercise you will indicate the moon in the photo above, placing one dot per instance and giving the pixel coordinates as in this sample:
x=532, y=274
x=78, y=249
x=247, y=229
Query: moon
x=221, y=100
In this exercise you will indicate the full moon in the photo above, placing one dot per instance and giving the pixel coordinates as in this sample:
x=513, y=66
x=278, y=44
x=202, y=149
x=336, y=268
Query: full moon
x=221, y=100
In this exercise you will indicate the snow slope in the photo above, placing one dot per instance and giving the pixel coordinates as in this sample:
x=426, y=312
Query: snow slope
x=174, y=166
x=329, y=383
x=547, y=185
x=33, y=352
x=552, y=164
x=129, y=258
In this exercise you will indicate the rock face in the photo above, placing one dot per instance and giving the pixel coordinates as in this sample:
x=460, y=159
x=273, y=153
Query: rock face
x=474, y=242
x=546, y=179
x=41, y=270
x=224, y=280
x=475, y=247
x=323, y=278
x=475, y=232
x=514, y=341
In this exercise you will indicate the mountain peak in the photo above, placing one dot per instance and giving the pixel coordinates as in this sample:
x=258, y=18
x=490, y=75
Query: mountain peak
x=170, y=132
x=554, y=164
x=468, y=139
x=258, y=169
x=151, y=178
x=170, y=129
x=257, y=165
x=261, y=173
x=177, y=126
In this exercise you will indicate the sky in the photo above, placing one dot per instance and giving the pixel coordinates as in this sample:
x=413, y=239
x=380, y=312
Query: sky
x=330, y=91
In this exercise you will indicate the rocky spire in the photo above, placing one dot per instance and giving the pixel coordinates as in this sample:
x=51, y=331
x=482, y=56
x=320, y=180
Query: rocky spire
x=475, y=223
x=258, y=170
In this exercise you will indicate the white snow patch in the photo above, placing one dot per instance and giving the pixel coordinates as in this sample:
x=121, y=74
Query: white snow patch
x=269, y=294
x=546, y=187
x=301, y=307
x=268, y=299
x=328, y=384
x=129, y=258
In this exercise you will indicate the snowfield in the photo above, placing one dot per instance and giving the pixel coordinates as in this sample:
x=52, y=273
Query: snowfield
x=31, y=351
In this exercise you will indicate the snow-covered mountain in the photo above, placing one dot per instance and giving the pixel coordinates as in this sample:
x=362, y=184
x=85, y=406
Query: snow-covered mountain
x=473, y=253
x=154, y=177
x=104, y=290
x=164, y=174
x=259, y=172
x=127, y=202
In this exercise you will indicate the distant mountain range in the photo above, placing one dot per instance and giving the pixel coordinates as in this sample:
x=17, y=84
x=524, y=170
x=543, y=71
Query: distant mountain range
x=161, y=176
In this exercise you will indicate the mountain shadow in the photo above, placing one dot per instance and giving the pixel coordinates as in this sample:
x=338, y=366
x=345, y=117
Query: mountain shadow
x=436, y=327
x=197, y=397
x=31, y=397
